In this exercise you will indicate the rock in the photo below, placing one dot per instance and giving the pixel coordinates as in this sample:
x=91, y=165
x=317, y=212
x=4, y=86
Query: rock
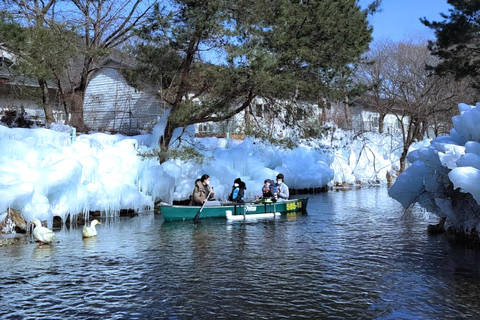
x=20, y=222
x=438, y=228
x=15, y=220
x=470, y=239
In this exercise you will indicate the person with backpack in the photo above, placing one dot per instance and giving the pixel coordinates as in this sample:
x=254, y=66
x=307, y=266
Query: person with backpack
x=238, y=191
x=282, y=188
x=269, y=190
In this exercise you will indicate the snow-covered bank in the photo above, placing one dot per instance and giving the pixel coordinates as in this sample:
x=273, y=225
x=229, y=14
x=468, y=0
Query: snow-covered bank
x=366, y=158
x=443, y=177
x=46, y=173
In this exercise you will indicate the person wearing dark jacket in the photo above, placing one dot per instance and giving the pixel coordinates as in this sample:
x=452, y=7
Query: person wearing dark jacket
x=269, y=189
x=238, y=191
x=201, y=191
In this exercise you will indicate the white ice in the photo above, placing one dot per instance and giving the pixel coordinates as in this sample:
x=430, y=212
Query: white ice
x=451, y=164
x=46, y=173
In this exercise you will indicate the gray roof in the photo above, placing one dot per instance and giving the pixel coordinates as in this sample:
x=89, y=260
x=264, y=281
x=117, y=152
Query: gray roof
x=11, y=77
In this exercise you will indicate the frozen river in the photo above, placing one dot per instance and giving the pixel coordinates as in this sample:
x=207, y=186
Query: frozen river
x=353, y=256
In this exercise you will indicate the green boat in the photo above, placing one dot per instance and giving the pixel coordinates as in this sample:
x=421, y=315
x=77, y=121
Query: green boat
x=246, y=210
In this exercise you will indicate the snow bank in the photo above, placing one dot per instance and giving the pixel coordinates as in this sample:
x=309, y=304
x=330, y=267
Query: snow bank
x=444, y=177
x=366, y=158
x=45, y=173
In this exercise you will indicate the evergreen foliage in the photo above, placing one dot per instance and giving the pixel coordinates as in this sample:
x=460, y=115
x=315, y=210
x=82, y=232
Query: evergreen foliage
x=457, y=39
x=41, y=52
x=304, y=48
x=281, y=50
x=184, y=153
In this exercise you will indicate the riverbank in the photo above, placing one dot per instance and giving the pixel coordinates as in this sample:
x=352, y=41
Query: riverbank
x=47, y=173
x=467, y=240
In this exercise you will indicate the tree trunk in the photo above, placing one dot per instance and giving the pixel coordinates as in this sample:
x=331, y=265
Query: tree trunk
x=346, y=106
x=77, y=97
x=181, y=93
x=49, y=117
x=423, y=130
x=323, y=117
x=67, y=112
x=381, y=121
x=167, y=135
x=403, y=159
x=63, y=101
x=246, y=119
x=76, y=102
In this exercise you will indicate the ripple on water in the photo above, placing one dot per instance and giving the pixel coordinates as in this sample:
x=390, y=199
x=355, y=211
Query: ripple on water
x=354, y=256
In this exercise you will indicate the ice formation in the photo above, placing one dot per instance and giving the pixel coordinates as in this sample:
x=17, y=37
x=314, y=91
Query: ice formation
x=443, y=178
x=47, y=172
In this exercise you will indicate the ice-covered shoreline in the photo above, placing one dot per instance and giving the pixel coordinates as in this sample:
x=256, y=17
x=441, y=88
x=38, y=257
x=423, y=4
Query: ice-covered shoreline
x=443, y=177
x=46, y=173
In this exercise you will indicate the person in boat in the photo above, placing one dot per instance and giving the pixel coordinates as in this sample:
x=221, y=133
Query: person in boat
x=238, y=191
x=282, y=189
x=201, y=191
x=269, y=190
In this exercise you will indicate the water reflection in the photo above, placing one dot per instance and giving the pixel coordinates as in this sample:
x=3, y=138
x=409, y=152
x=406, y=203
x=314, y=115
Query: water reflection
x=43, y=251
x=89, y=243
x=354, y=256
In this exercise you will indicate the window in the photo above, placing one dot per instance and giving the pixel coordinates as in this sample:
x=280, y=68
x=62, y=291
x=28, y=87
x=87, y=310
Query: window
x=259, y=110
x=5, y=63
x=299, y=114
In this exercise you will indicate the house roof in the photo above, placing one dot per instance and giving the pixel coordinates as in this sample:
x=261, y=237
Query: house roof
x=11, y=77
x=119, y=58
x=366, y=102
x=5, y=54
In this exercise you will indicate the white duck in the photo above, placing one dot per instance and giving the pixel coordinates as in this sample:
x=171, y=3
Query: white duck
x=42, y=234
x=90, y=231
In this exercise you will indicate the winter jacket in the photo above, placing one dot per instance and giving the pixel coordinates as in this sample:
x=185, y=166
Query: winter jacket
x=200, y=193
x=282, y=190
x=270, y=191
x=238, y=193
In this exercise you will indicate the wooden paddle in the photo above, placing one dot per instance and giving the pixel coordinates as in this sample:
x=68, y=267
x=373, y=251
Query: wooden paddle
x=195, y=220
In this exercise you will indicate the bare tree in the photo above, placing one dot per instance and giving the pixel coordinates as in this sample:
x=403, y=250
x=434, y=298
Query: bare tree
x=372, y=74
x=401, y=83
x=102, y=24
x=105, y=24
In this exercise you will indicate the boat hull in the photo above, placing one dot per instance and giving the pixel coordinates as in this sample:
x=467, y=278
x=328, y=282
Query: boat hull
x=178, y=213
x=241, y=217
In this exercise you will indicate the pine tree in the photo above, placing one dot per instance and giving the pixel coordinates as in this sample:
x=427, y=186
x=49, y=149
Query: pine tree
x=40, y=53
x=279, y=49
x=457, y=39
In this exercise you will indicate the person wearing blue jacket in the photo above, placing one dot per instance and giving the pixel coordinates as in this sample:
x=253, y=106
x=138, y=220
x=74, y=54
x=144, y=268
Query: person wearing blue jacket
x=238, y=191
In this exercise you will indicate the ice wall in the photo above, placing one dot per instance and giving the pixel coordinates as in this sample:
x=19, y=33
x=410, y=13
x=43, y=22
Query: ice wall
x=367, y=158
x=444, y=177
x=45, y=173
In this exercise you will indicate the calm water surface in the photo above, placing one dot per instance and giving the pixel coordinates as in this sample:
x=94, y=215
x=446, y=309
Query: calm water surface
x=354, y=256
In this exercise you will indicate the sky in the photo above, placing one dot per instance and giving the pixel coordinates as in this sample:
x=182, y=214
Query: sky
x=399, y=19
